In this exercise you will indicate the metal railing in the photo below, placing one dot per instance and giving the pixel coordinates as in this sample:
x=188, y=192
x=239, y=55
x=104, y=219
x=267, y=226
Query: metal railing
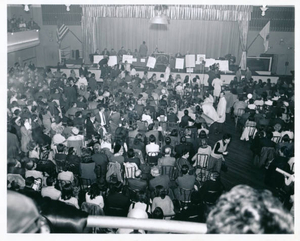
x=147, y=224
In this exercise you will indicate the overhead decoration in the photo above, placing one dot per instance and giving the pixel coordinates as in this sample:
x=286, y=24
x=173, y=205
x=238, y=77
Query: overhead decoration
x=160, y=15
x=180, y=12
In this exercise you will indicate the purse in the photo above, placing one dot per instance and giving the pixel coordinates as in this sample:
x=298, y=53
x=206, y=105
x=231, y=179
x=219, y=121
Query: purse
x=224, y=167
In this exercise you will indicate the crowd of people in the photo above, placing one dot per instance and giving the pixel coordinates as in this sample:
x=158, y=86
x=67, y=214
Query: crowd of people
x=17, y=24
x=132, y=146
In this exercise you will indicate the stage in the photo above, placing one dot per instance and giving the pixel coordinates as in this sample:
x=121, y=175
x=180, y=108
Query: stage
x=226, y=77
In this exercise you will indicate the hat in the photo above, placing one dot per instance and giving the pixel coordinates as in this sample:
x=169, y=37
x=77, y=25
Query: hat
x=249, y=96
x=155, y=171
x=75, y=131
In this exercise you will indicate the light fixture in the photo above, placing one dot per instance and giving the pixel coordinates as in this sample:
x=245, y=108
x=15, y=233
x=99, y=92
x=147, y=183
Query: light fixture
x=160, y=16
x=26, y=8
x=263, y=10
x=68, y=7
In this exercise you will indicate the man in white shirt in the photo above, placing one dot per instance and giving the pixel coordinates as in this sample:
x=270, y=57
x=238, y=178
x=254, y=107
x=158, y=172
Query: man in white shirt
x=81, y=81
x=152, y=147
x=50, y=191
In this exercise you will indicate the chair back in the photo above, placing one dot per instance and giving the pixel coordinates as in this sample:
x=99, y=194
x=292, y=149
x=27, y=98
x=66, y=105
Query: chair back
x=201, y=161
x=152, y=158
x=84, y=183
x=170, y=171
x=130, y=171
x=185, y=195
x=276, y=139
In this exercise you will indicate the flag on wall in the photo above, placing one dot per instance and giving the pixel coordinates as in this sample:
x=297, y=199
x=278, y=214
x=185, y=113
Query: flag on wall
x=61, y=31
x=264, y=33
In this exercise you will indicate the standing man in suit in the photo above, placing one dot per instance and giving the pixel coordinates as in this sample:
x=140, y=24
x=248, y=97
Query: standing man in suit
x=83, y=70
x=143, y=50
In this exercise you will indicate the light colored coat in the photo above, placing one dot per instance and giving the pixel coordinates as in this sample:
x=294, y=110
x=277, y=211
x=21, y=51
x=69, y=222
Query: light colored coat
x=221, y=110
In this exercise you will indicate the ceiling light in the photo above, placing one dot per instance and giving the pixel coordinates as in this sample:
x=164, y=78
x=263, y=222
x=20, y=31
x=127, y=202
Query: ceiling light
x=26, y=7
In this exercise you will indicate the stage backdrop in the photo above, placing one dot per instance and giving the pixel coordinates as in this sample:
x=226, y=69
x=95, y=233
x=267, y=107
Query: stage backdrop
x=209, y=30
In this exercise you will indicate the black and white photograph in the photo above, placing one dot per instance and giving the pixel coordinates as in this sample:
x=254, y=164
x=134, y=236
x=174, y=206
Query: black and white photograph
x=149, y=118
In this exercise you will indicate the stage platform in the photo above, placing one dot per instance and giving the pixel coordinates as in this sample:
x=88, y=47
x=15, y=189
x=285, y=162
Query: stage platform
x=226, y=77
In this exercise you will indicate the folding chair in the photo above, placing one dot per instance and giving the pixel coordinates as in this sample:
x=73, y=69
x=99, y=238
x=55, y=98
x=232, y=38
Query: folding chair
x=239, y=113
x=84, y=184
x=152, y=158
x=201, y=164
x=185, y=196
x=170, y=171
x=276, y=139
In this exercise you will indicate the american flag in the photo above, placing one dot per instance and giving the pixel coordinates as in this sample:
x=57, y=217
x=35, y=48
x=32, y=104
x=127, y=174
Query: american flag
x=61, y=31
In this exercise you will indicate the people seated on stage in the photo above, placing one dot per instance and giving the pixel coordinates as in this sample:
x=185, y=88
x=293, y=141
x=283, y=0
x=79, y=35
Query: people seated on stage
x=136, y=54
x=121, y=52
x=143, y=50
x=113, y=52
x=105, y=52
x=97, y=52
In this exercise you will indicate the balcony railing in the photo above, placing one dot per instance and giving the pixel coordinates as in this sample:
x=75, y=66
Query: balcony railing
x=22, y=40
x=147, y=224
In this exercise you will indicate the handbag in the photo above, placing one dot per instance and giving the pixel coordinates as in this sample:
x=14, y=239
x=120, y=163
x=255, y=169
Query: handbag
x=224, y=167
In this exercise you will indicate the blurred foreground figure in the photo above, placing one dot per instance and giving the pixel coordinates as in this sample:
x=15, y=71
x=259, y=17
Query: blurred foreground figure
x=23, y=215
x=245, y=210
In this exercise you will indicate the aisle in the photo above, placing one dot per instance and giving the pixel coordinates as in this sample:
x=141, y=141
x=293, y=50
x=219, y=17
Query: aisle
x=239, y=160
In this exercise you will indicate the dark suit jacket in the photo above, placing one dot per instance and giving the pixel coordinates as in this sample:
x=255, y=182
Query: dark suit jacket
x=83, y=71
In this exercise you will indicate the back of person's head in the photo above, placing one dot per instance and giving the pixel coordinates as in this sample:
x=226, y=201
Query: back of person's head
x=168, y=140
x=160, y=191
x=29, y=181
x=244, y=210
x=117, y=148
x=94, y=191
x=157, y=213
x=142, y=197
x=202, y=135
x=269, y=135
x=29, y=165
x=150, y=127
x=130, y=153
x=227, y=136
x=152, y=138
x=60, y=148
x=286, y=138
x=168, y=151
x=50, y=181
x=186, y=112
x=184, y=169
x=183, y=139
x=67, y=191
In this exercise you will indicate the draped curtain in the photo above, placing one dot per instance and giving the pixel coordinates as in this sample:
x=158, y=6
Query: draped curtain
x=243, y=33
x=203, y=29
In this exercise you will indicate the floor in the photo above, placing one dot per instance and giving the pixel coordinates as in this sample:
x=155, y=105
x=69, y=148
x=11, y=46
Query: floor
x=239, y=159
